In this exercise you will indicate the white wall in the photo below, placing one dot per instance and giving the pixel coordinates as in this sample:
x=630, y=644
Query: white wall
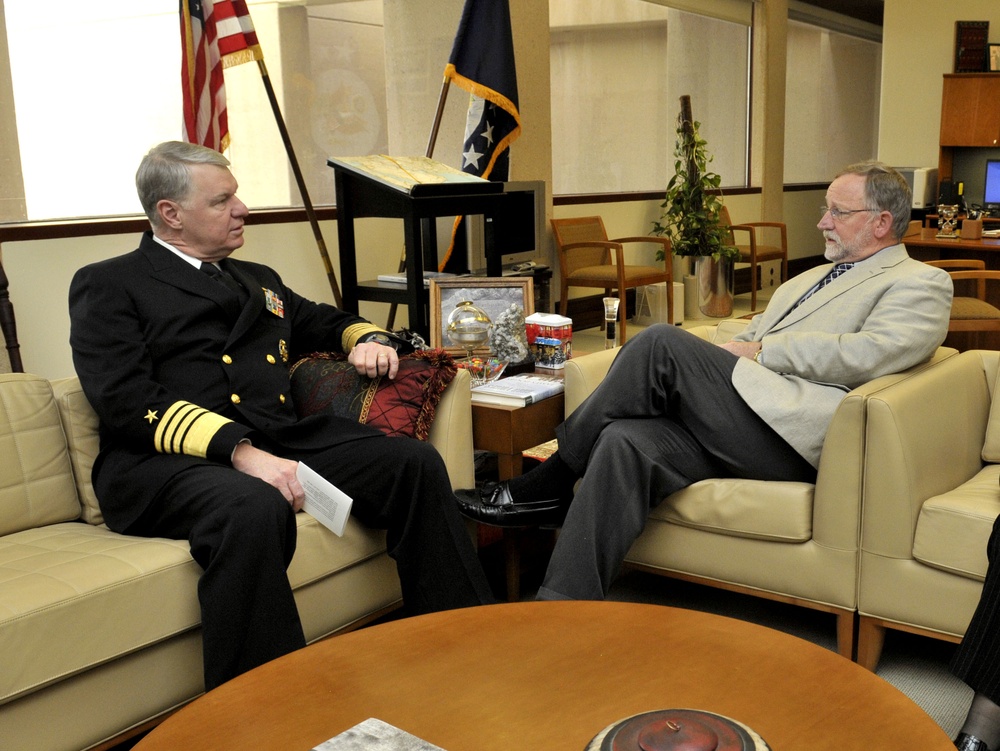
x=918, y=48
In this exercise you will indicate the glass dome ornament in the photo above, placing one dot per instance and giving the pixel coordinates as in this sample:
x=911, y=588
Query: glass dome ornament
x=469, y=327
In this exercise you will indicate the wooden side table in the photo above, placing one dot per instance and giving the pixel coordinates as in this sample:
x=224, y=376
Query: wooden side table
x=507, y=431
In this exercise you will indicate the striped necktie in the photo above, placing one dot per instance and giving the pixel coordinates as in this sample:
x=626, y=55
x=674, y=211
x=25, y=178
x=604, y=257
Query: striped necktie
x=836, y=271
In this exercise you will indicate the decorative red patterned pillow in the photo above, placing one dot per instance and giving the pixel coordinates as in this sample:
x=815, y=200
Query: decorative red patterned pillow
x=324, y=382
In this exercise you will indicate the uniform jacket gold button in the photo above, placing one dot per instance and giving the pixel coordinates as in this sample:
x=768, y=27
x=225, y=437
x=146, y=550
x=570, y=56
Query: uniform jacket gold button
x=270, y=359
x=227, y=359
x=281, y=398
x=235, y=398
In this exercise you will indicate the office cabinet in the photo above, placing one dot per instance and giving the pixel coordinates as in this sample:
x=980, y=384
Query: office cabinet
x=970, y=110
x=970, y=117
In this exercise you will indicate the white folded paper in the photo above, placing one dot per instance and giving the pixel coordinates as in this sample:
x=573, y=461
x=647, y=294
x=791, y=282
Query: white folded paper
x=325, y=502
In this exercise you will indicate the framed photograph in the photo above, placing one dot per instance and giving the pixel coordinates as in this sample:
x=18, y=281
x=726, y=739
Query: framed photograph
x=493, y=294
x=995, y=58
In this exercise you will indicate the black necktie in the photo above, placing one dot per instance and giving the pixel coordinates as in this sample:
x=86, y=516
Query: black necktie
x=224, y=277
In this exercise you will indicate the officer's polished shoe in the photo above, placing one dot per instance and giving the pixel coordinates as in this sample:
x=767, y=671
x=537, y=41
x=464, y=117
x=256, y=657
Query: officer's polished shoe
x=966, y=742
x=493, y=504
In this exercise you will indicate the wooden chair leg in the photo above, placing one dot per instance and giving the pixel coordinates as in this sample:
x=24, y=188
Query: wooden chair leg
x=871, y=638
x=845, y=634
x=753, y=286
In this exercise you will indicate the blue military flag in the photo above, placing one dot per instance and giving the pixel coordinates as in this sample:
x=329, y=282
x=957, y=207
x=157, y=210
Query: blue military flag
x=482, y=63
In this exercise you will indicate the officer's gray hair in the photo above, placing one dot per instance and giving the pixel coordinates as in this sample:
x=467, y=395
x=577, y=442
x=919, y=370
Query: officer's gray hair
x=163, y=173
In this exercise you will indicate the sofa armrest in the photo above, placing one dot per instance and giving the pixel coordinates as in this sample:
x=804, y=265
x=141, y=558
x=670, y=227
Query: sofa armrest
x=583, y=374
x=451, y=431
x=838, y=495
x=924, y=437
x=721, y=332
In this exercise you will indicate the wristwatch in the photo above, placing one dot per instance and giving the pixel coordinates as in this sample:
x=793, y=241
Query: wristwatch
x=379, y=338
x=756, y=356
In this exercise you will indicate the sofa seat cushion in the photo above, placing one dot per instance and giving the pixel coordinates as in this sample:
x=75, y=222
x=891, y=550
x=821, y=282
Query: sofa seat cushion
x=953, y=528
x=776, y=511
x=73, y=595
x=319, y=552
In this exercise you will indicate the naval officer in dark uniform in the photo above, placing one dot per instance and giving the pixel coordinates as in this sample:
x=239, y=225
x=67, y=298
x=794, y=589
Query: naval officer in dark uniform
x=184, y=354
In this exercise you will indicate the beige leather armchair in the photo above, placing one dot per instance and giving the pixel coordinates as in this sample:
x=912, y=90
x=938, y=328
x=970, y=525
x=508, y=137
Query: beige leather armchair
x=786, y=541
x=931, y=494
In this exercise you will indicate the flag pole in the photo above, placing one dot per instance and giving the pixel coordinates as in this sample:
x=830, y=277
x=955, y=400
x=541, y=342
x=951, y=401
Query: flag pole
x=300, y=181
x=442, y=98
x=431, y=142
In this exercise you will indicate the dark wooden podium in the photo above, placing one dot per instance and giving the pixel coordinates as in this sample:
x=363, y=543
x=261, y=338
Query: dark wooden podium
x=509, y=219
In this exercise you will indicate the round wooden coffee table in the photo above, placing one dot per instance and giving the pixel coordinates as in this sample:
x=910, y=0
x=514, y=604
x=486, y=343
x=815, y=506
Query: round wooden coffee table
x=548, y=677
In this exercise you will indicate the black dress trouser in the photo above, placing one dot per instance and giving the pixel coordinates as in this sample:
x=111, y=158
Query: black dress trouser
x=242, y=533
x=977, y=660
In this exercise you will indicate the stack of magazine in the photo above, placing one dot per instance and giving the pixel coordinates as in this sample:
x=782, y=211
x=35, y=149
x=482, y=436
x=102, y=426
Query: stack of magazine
x=376, y=735
x=518, y=390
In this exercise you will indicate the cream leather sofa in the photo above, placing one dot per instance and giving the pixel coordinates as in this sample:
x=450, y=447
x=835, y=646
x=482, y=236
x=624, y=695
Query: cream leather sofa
x=786, y=541
x=99, y=632
x=932, y=492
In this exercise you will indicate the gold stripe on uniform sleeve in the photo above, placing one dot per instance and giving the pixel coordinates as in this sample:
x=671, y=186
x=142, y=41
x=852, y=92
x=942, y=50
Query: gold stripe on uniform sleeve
x=187, y=429
x=355, y=331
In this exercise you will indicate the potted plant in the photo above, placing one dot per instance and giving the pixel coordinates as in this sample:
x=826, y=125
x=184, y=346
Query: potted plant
x=691, y=219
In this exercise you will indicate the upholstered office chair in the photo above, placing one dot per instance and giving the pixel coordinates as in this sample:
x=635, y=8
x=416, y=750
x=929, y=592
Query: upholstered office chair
x=970, y=313
x=793, y=542
x=585, y=261
x=756, y=252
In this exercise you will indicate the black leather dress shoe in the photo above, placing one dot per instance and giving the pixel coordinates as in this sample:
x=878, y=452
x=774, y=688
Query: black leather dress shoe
x=493, y=504
x=966, y=742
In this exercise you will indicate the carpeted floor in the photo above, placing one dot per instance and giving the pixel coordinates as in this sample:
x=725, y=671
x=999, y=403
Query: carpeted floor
x=917, y=666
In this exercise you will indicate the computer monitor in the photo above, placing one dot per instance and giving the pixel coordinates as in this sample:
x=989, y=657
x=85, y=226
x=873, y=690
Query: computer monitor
x=991, y=192
x=523, y=234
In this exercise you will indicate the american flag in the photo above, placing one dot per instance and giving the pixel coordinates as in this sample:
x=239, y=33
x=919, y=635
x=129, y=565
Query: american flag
x=215, y=34
x=482, y=63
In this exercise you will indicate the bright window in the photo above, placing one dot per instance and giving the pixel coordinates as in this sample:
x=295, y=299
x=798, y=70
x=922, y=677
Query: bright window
x=617, y=79
x=831, y=102
x=95, y=85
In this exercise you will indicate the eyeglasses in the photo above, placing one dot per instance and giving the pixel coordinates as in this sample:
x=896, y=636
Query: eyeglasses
x=839, y=214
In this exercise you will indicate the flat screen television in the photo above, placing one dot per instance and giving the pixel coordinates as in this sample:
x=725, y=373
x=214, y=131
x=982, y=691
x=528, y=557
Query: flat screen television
x=991, y=191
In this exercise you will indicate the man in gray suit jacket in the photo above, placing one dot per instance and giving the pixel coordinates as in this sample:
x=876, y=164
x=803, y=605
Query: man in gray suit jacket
x=675, y=409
